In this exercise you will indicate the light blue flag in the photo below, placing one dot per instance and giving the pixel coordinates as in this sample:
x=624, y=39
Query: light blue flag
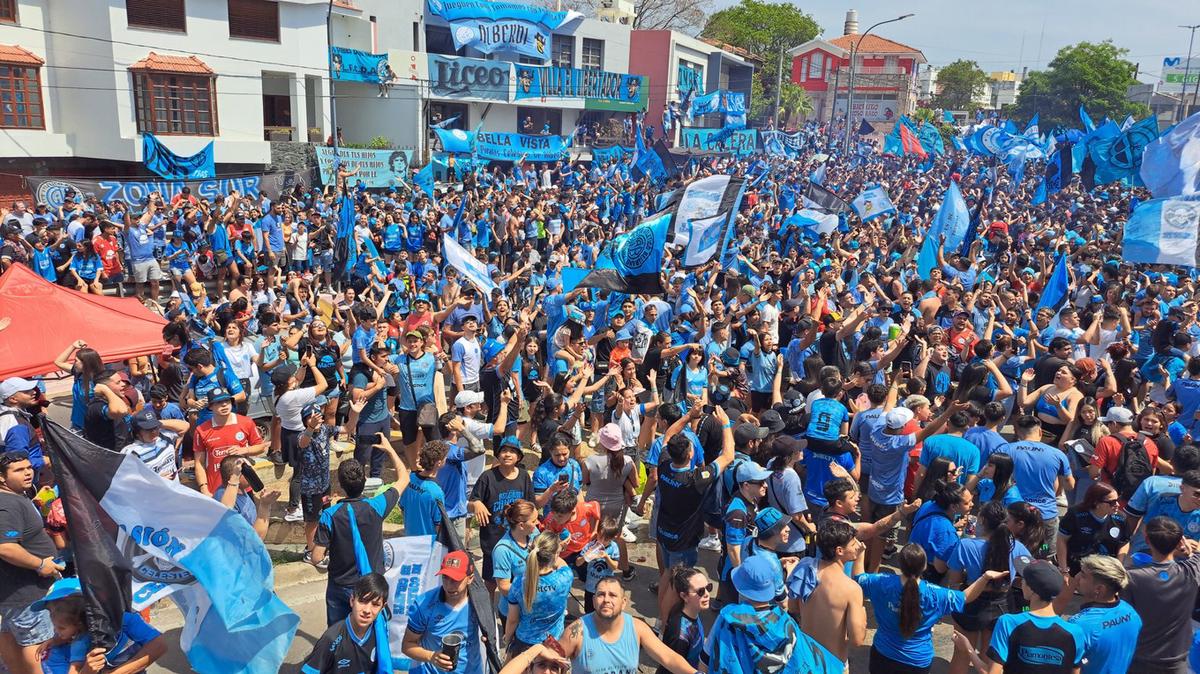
x=818, y=175
x=424, y=180
x=1031, y=130
x=457, y=141
x=1119, y=157
x=1171, y=164
x=704, y=239
x=1163, y=231
x=947, y=116
x=927, y=257
x=646, y=160
x=444, y=123
x=873, y=203
x=953, y=219
x=471, y=268
x=1088, y=124
x=1039, y=197
x=931, y=140
x=1054, y=295
x=958, y=144
x=159, y=159
x=1127, y=123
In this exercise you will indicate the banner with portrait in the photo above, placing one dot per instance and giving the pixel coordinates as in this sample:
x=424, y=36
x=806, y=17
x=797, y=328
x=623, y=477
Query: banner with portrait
x=352, y=65
x=591, y=85
x=375, y=168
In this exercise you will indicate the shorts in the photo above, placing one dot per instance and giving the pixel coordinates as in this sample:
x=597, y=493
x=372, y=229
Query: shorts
x=880, y=512
x=409, y=428
x=147, y=270
x=27, y=626
x=882, y=664
x=689, y=557
x=177, y=273
x=982, y=613
x=311, y=505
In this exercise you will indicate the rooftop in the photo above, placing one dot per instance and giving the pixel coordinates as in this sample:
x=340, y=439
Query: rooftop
x=173, y=64
x=873, y=44
x=12, y=54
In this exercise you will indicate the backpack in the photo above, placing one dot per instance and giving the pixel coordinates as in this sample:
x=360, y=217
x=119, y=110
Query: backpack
x=1133, y=466
x=716, y=499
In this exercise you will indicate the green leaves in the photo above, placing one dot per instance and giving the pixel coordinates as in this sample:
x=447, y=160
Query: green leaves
x=1094, y=75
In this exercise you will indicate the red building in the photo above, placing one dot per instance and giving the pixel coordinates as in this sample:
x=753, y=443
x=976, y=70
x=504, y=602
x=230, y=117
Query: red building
x=885, y=74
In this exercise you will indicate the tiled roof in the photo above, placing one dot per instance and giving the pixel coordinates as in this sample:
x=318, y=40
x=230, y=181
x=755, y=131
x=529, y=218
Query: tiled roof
x=173, y=64
x=744, y=53
x=873, y=44
x=21, y=55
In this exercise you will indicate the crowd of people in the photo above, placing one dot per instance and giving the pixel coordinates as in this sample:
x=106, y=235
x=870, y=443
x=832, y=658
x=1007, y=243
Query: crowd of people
x=808, y=433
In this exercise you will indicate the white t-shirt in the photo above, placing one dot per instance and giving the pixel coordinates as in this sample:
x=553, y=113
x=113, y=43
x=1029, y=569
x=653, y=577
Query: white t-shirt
x=475, y=432
x=159, y=456
x=288, y=407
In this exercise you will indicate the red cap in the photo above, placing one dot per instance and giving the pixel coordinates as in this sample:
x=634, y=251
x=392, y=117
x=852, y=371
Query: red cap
x=455, y=565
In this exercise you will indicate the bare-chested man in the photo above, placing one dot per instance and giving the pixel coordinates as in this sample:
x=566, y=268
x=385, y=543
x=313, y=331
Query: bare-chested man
x=834, y=613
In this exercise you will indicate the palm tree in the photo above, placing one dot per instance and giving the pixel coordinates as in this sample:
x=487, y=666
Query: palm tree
x=794, y=101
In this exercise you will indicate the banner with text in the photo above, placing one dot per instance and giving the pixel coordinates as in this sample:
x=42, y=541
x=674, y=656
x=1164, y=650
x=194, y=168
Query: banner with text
x=461, y=77
x=515, y=146
x=592, y=85
x=690, y=78
x=741, y=142
x=376, y=168
x=51, y=190
x=509, y=26
x=410, y=567
x=872, y=110
x=352, y=65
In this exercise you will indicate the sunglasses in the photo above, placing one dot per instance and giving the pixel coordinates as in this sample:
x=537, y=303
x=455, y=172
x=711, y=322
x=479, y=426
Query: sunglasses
x=701, y=591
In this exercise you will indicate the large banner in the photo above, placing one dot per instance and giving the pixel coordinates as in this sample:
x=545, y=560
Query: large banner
x=461, y=77
x=515, y=146
x=351, y=65
x=471, y=269
x=160, y=159
x=592, y=85
x=376, y=168
x=741, y=142
x=461, y=163
x=509, y=26
x=50, y=190
x=604, y=155
x=874, y=110
x=690, y=78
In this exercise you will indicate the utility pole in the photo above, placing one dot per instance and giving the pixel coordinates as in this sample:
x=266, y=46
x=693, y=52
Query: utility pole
x=850, y=86
x=1187, y=72
x=779, y=88
x=332, y=85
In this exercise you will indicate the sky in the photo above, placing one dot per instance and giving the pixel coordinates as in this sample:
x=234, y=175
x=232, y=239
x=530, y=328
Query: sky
x=1015, y=34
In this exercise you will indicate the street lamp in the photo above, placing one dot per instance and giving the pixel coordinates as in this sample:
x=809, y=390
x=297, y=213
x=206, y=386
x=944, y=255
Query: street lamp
x=850, y=87
x=1187, y=71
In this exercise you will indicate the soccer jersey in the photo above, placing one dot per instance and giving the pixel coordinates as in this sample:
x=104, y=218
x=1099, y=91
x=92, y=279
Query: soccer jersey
x=341, y=650
x=1031, y=644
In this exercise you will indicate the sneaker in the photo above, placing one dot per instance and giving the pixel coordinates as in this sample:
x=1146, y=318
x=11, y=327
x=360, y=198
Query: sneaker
x=634, y=519
x=322, y=566
x=276, y=457
x=628, y=536
x=293, y=515
x=710, y=542
x=629, y=574
x=654, y=589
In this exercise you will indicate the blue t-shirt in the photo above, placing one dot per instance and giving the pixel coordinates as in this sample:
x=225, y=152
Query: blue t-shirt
x=1167, y=505
x=1036, y=643
x=1187, y=392
x=140, y=243
x=987, y=492
x=433, y=619
x=817, y=473
x=134, y=635
x=203, y=385
x=933, y=530
x=1110, y=633
x=969, y=555
x=360, y=341
x=1036, y=469
x=452, y=478
x=423, y=371
x=826, y=418
x=888, y=468
x=761, y=373
x=986, y=440
x=964, y=454
x=376, y=407
x=549, y=605
x=884, y=589
x=547, y=473
x=419, y=502
x=508, y=563
x=861, y=428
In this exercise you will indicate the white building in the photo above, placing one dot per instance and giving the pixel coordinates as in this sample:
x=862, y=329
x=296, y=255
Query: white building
x=81, y=80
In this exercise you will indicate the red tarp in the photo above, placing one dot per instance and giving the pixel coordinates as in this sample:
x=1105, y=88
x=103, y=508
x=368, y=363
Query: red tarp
x=46, y=318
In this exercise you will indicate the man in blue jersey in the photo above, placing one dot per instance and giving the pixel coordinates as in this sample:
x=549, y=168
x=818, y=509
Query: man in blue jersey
x=1110, y=626
x=441, y=612
x=1040, y=472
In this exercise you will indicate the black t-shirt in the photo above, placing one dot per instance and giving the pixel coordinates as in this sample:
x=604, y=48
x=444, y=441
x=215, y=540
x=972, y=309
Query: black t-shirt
x=98, y=427
x=340, y=650
x=712, y=437
x=20, y=523
x=496, y=492
x=1091, y=536
x=685, y=636
x=680, y=492
x=334, y=533
x=328, y=356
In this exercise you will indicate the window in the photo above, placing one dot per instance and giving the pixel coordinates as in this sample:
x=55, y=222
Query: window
x=254, y=19
x=20, y=98
x=804, y=70
x=563, y=51
x=815, y=65
x=890, y=62
x=439, y=41
x=533, y=121
x=529, y=60
x=156, y=14
x=593, y=54
x=8, y=11
x=175, y=103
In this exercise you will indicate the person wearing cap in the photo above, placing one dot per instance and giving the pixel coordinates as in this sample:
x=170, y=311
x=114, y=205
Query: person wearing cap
x=772, y=534
x=224, y=434
x=19, y=401
x=505, y=482
x=155, y=441
x=208, y=374
x=138, y=645
x=439, y=613
x=1040, y=472
x=1115, y=450
x=754, y=633
x=1038, y=639
x=27, y=567
x=349, y=643
x=1110, y=625
x=906, y=609
x=416, y=379
x=738, y=521
x=475, y=432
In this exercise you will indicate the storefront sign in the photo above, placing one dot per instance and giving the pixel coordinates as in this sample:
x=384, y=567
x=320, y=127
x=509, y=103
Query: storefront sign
x=518, y=146
x=591, y=85
x=459, y=77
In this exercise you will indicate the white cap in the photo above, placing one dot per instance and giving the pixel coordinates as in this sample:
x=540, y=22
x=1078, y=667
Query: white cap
x=898, y=418
x=1120, y=415
x=15, y=385
x=465, y=398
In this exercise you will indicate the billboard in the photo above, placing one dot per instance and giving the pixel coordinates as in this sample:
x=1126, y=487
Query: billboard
x=1176, y=75
x=871, y=109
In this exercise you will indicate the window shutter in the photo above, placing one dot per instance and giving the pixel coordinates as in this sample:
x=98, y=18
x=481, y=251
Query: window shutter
x=254, y=19
x=159, y=14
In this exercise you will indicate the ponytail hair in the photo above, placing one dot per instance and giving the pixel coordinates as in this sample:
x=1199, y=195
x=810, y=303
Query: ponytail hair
x=541, y=555
x=912, y=565
x=518, y=510
x=1032, y=533
x=1000, y=540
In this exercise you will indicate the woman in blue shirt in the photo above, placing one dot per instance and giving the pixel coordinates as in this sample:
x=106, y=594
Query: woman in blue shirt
x=536, y=609
x=904, y=634
x=996, y=480
x=510, y=553
x=933, y=527
x=992, y=548
x=692, y=376
x=86, y=266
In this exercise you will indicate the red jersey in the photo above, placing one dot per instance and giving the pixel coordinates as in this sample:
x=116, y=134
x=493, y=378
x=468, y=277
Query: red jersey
x=216, y=443
x=110, y=255
x=580, y=528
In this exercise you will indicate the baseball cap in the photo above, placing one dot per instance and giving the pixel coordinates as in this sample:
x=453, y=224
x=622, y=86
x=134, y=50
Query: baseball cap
x=511, y=441
x=281, y=375
x=146, y=420
x=757, y=579
x=744, y=433
x=15, y=385
x=731, y=357
x=61, y=589
x=772, y=420
x=219, y=395
x=455, y=565
x=1120, y=415
x=311, y=409
x=897, y=418
x=491, y=349
x=624, y=335
x=752, y=472
x=465, y=398
x=415, y=333
x=1042, y=578
x=769, y=522
x=610, y=437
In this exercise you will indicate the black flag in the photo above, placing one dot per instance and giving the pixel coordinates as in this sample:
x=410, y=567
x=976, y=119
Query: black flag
x=83, y=470
x=865, y=129
x=825, y=198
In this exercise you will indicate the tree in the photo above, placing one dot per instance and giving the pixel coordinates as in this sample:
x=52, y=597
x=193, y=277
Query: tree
x=1094, y=75
x=794, y=101
x=686, y=16
x=958, y=84
x=764, y=29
